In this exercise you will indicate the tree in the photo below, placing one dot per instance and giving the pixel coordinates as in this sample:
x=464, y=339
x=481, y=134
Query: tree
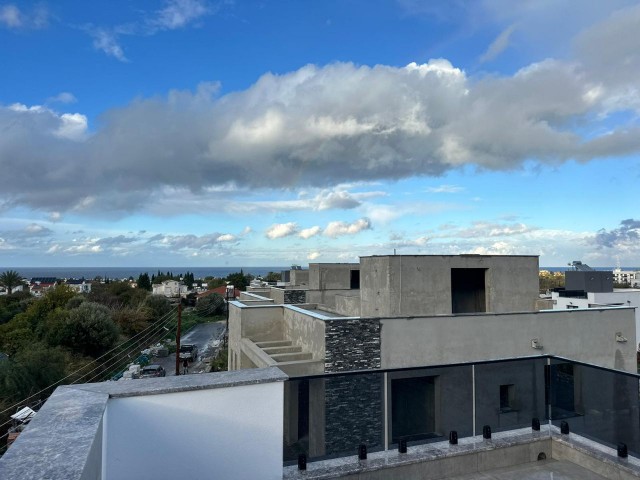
x=238, y=280
x=132, y=321
x=10, y=279
x=158, y=304
x=144, y=282
x=210, y=305
x=272, y=277
x=90, y=330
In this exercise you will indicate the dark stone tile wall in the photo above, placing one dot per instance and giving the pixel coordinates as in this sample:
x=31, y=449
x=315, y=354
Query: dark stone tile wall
x=353, y=413
x=295, y=296
x=352, y=344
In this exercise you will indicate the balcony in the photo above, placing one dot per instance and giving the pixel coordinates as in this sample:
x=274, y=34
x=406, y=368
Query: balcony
x=454, y=420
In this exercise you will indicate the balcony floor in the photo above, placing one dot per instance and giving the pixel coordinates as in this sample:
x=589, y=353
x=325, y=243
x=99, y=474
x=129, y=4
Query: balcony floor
x=542, y=470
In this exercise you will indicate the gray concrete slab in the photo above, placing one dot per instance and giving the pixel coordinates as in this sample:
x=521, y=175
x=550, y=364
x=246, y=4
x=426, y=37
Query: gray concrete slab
x=542, y=470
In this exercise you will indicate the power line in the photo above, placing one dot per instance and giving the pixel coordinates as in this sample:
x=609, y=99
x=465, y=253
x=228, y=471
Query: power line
x=84, y=366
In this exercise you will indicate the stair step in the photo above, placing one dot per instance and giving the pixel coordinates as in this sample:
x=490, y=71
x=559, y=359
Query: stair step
x=288, y=357
x=276, y=350
x=274, y=343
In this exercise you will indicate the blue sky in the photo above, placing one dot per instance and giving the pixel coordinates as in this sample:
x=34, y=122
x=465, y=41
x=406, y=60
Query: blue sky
x=212, y=133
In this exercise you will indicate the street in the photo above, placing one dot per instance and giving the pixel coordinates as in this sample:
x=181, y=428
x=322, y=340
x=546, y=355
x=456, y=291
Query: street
x=203, y=336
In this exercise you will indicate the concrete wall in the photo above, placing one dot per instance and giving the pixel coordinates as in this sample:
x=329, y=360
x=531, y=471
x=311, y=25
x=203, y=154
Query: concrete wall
x=331, y=276
x=348, y=304
x=623, y=296
x=228, y=432
x=421, y=284
x=256, y=323
x=305, y=331
x=299, y=277
x=584, y=335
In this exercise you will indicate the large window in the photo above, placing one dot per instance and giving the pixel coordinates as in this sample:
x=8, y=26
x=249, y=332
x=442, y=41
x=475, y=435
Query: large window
x=413, y=412
x=468, y=290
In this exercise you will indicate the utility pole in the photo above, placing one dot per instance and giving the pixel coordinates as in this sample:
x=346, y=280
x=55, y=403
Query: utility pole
x=178, y=338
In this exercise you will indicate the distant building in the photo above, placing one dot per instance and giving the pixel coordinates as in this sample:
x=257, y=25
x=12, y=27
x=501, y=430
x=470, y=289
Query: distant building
x=38, y=286
x=170, y=289
x=627, y=277
x=80, y=286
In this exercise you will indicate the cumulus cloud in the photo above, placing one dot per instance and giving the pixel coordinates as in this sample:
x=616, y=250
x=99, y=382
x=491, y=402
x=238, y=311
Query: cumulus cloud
x=324, y=125
x=280, y=230
x=313, y=255
x=481, y=229
x=309, y=232
x=337, y=229
x=627, y=233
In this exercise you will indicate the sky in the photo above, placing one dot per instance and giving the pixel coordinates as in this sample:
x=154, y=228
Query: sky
x=259, y=133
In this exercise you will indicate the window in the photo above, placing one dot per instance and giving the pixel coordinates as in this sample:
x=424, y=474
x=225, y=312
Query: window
x=570, y=307
x=507, y=398
x=413, y=412
x=468, y=290
x=355, y=280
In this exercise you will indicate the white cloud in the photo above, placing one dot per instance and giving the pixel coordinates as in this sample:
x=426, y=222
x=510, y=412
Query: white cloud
x=179, y=13
x=63, y=97
x=246, y=230
x=309, y=232
x=10, y=16
x=313, y=255
x=499, y=45
x=14, y=18
x=445, y=189
x=321, y=126
x=227, y=237
x=280, y=230
x=107, y=42
x=336, y=229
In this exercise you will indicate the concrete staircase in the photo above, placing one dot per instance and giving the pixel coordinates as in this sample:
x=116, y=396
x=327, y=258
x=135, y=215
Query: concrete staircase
x=284, y=351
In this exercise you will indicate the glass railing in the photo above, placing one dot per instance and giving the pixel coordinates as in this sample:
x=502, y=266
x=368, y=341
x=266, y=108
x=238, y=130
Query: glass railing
x=328, y=416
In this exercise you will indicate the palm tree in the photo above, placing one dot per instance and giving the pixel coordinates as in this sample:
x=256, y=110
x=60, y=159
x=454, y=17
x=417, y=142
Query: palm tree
x=10, y=279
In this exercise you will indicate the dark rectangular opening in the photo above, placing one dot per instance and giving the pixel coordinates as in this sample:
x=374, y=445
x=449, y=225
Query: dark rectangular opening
x=468, y=290
x=507, y=398
x=413, y=409
x=303, y=409
x=355, y=279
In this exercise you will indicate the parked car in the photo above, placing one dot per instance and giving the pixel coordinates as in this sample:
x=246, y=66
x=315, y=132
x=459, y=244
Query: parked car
x=189, y=351
x=152, y=371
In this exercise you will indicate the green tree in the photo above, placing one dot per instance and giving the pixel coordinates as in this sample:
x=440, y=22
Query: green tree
x=90, y=330
x=132, y=320
x=239, y=280
x=144, y=282
x=213, y=282
x=210, y=305
x=272, y=277
x=10, y=279
x=158, y=304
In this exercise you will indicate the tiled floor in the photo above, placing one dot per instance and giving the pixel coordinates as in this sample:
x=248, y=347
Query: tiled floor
x=542, y=470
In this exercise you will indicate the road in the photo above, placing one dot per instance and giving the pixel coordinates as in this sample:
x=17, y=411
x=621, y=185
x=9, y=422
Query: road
x=203, y=335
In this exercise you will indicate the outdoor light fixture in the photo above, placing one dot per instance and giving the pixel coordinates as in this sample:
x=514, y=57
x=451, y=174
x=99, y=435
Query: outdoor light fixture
x=620, y=338
x=564, y=428
x=453, y=437
x=302, y=462
x=536, y=344
x=486, y=432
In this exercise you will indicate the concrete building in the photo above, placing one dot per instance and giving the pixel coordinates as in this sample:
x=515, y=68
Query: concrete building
x=80, y=286
x=627, y=277
x=415, y=349
x=170, y=288
x=594, y=289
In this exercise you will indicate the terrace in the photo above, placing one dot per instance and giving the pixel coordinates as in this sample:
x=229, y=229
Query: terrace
x=471, y=420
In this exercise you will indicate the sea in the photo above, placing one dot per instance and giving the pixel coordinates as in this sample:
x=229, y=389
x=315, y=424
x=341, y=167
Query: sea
x=114, y=273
